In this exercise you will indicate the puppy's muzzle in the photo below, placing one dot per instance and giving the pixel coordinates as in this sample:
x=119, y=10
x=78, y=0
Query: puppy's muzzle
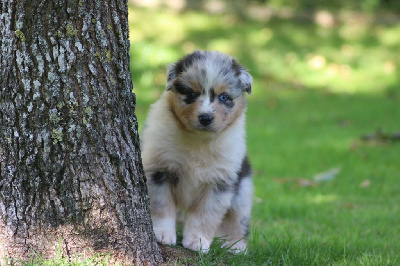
x=206, y=119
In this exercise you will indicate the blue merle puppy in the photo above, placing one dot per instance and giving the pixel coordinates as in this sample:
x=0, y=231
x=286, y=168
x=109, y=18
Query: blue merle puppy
x=194, y=153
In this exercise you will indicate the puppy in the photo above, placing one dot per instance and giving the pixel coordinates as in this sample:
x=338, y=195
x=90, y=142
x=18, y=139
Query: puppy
x=194, y=153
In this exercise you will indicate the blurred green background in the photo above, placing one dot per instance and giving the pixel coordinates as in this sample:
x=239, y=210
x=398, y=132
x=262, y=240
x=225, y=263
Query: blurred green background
x=321, y=122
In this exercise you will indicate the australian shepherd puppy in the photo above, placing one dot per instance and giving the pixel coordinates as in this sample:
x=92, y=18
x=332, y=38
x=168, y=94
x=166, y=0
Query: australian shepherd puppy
x=194, y=153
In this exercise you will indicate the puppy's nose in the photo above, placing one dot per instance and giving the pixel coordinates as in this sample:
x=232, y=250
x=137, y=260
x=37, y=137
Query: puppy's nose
x=205, y=119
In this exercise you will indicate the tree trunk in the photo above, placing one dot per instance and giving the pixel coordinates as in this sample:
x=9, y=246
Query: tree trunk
x=70, y=168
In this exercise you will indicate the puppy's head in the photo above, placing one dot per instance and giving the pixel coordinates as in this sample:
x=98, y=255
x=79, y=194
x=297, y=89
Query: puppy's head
x=207, y=91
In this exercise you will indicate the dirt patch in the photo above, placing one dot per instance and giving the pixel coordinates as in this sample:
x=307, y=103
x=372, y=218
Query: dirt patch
x=178, y=256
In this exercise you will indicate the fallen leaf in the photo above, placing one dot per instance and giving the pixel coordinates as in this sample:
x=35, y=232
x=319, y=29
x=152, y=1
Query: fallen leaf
x=305, y=183
x=366, y=183
x=326, y=176
x=353, y=145
x=283, y=180
x=257, y=199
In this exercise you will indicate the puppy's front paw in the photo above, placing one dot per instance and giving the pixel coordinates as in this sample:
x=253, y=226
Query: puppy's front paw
x=196, y=243
x=165, y=237
x=164, y=230
x=236, y=246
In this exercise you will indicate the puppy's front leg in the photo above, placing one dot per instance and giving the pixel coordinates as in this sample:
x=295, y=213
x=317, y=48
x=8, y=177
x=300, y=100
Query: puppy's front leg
x=204, y=217
x=163, y=210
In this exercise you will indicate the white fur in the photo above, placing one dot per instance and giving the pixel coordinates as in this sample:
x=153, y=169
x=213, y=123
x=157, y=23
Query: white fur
x=206, y=106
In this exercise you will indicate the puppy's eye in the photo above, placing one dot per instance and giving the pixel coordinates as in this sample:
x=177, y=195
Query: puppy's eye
x=191, y=95
x=223, y=97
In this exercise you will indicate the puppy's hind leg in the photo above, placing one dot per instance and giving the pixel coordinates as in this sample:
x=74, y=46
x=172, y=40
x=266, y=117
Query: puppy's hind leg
x=163, y=210
x=234, y=228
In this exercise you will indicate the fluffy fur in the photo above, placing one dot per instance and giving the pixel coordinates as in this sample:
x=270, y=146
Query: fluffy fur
x=194, y=153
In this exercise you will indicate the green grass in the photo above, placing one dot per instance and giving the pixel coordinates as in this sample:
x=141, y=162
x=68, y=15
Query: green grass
x=316, y=92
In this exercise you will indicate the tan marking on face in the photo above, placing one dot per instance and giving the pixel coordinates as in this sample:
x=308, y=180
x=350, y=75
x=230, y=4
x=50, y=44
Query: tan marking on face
x=225, y=116
x=183, y=113
x=220, y=88
x=239, y=108
x=196, y=86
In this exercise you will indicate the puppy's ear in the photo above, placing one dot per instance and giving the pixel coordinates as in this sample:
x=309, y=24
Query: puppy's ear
x=246, y=79
x=173, y=70
x=171, y=75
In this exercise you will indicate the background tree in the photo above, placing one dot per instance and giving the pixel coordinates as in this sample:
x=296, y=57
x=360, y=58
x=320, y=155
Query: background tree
x=70, y=167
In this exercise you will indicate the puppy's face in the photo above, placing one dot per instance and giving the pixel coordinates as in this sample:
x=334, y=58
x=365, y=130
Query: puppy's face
x=207, y=91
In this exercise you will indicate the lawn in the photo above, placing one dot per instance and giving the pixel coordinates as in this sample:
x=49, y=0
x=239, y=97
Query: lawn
x=324, y=195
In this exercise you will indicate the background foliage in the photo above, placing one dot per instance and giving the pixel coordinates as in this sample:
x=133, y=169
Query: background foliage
x=366, y=5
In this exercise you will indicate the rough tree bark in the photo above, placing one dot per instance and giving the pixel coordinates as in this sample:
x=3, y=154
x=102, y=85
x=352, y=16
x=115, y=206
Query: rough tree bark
x=70, y=168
